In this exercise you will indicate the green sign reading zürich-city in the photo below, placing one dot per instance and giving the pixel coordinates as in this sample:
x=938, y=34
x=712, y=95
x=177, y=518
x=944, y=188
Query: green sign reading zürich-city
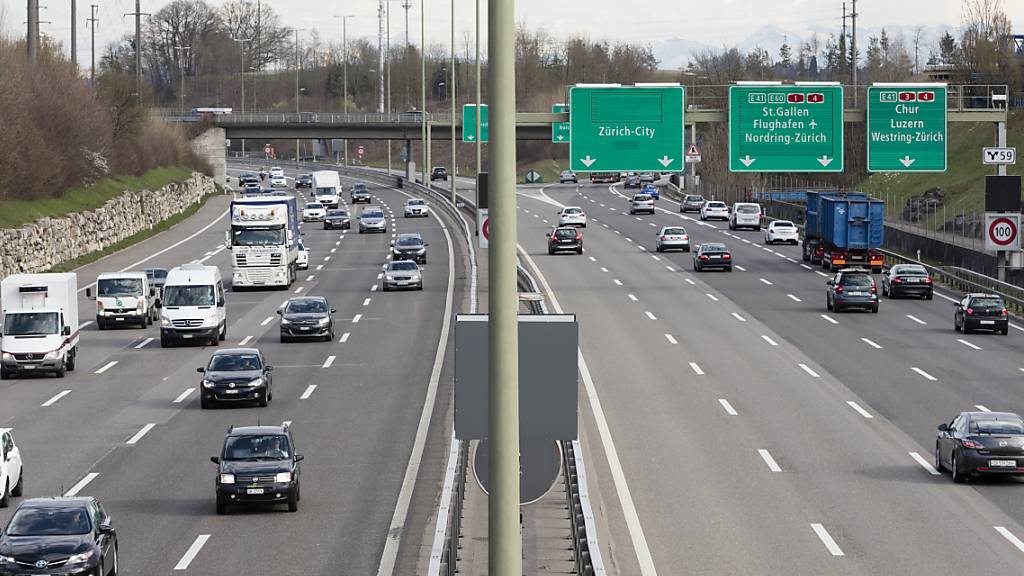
x=786, y=128
x=907, y=126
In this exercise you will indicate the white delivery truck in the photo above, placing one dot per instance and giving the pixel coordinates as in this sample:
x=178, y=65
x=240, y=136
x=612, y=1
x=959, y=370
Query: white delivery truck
x=193, y=308
x=264, y=241
x=124, y=298
x=40, y=323
x=327, y=187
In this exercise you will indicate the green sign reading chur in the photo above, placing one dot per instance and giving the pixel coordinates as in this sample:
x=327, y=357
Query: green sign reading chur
x=560, y=130
x=907, y=128
x=469, y=123
x=786, y=128
x=626, y=128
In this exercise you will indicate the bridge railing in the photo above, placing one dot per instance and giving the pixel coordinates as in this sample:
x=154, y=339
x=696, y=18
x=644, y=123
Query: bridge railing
x=331, y=118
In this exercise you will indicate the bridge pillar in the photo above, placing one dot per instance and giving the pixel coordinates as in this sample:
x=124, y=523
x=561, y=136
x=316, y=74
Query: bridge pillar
x=210, y=146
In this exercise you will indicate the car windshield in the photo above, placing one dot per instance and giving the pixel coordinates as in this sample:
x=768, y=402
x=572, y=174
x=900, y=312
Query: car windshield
x=49, y=522
x=572, y=211
x=404, y=266
x=748, y=209
x=119, y=287
x=359, y=188
x=566, y=173
x=409, y=241
x=416, y=203
x=856, y=280
x=641, y=198
x=675, y=231
x=156, y=273
x=713, y=248
x=188, y=296
x=265, y=447
x=30, y=324
x=257, y=236
x=374, y=214
x=337, y=213
x=988, y=302
x=716, y=204
x=312, y=306
x=911, y=271
x=322, y=191
x=1001, y=425
x=314, y=206
x=784, y=224
x=234, y=363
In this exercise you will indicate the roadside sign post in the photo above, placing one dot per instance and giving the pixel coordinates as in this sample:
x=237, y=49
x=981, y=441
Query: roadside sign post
x=999, y=156
x=1002, y=231
x=907, y=127
x=626, y=128
x=469, y=123
x=483, y=223
x=693, y=154
x=560, y=132
x=786, y=128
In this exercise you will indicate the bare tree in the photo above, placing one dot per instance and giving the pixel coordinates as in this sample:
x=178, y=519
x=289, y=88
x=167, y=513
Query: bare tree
x=270, y=40
x=918, y=37
x=986, y=47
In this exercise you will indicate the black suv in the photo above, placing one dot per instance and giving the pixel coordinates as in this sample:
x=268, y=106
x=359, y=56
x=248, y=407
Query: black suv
x=59, y=536
x=258, y=464
x=565, y=238
x=236, y=375
x=981, y=312
x=307, y=317
x=409, y=247
x=439, y=173
x=360, y=193
x=304, y=181
x=853, y=288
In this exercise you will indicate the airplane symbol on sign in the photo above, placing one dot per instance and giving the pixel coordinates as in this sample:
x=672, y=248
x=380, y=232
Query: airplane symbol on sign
x=814, y=124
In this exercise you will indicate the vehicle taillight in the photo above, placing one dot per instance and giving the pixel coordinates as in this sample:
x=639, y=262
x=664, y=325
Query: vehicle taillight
x=874, y=289
x=1003, y=312
x=579, y=237
x=703, y=257
x=686, y=236
x=839, y=289
x=663, y=238
x=897, y=280
x=726, y=256
x=970, y=311
x=928, y=280
x=966, y=443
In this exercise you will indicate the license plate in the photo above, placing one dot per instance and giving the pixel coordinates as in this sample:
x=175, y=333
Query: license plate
x=716, y=257
x=915, y=280
x=231, y=391
x=186, y=336
x=29, y=367
x=254, y=490
x=119, y=319
x=306, y=328
x=988, y=321
x=1002, y=463
x=401, y=283
x=857, y=293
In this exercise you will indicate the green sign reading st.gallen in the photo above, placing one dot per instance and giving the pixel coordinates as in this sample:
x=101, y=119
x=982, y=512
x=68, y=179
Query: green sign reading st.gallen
x=907, y=128
x=560, y=132
x=469, y=123
x=786, y=128
x=626, y=128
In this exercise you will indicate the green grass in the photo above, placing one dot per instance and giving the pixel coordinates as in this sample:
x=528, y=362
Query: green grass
x=15, y=213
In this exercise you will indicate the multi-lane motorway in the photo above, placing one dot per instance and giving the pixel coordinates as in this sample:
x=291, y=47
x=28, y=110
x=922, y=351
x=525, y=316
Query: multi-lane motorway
x=126, y=426
x=736, y=427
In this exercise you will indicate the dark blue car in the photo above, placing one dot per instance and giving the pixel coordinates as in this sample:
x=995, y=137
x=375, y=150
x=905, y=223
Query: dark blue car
x=652, y=190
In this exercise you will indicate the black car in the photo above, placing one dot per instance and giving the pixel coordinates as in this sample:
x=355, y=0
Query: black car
x=632, y=181
x=852, y=288
x=409, y=247
x=439, y=173
x=236, y=375
x=977, y=443
x=981, y=312
x=564, y=239
x=304, y=181
x=251, y=188
x=337, y=219
x=907, y=280
x=307, y=317
x=711, y=255
x=59, y=536
x=258, y=465
x=360, y=193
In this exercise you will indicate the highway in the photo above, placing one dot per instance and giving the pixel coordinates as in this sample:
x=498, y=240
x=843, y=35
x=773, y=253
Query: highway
x=126, y=426
x=737, y=428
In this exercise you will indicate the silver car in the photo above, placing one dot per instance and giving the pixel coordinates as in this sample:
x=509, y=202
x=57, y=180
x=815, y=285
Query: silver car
x=372, y=220
x=672, y=238
x=403, y=274
x=691, y=203
x=641, y=203
x=415, y=207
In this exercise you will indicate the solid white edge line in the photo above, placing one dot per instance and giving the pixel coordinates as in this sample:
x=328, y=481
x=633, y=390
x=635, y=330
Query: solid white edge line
x=810, y=372
x=53, y=400
x=858, y=409
x=728, y=407
x=138, y=435
x=181, y=398
x=924, y=464
x=308, y=392
x=827, y=540
x=769, y=460
x=1010, y=537
x=81, y=484
x=192, y=552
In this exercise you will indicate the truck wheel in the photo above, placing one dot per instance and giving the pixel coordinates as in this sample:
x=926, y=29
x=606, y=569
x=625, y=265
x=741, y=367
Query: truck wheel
x=144, y=321
x=164, y=342
x=5, y=375
x=70, y=362
x=5, y=496
x=100, y=325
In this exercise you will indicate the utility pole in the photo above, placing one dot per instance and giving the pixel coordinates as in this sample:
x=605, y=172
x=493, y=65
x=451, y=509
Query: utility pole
x=853, y=17
x=93, y=21
x=241, y=46
x=423, y=91
x=138, y=46
x=452, y=97
x=479, y=150
x=387, y=53
x=407, y=4
x=181, y=66
x=380, y=56
x=74, y=33
x=257, y=52
x=298, y=65
x=344, y=72
x=505, y=556
x=32, y=34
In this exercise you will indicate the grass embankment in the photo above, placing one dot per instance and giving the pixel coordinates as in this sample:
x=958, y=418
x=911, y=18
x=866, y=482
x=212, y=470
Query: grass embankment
x=964, y=181
x=548, y=170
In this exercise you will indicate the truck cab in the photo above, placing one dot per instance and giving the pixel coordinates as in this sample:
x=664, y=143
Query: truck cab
x=40, y=324
x=124, y=298
x=264, y=240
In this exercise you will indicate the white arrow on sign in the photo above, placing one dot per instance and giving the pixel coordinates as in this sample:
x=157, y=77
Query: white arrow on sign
x=747, y=160
x=470, y=137
x=907, y=161
x=665, y=160
x=588, y=161
x=825, y=160
x=559, y=137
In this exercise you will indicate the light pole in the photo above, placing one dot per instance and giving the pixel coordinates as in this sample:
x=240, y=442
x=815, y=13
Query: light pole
x=181, y=66
x=241, y=46
x=344, y=73
x=423, y=93
x=451, y=123
x=298, y=67
x=479, y=150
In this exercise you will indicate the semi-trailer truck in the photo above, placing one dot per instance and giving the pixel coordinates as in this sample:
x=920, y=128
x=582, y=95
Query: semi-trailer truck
x=264, y=241
x=844, y=230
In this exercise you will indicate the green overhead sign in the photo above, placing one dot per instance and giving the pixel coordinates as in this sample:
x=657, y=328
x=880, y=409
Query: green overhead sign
x=907, y=128
x=626, y=128
x=469, y=123
x=786, y=128
x=560, y=130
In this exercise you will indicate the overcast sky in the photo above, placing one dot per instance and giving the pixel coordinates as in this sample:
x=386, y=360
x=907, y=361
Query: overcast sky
x=715, y=22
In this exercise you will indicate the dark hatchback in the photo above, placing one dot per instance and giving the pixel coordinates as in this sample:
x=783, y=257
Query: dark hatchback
x=409, y=247
x=981, y=312
x=59, y=536
x=258, y=465
x=439, y=173
x=304, y=181
x=981, y=443
x=236, y=375
x=712, y=255
x=565, y=239
x=359, y=193
x=851, y=289
x=907, y=280
x=307, y=317
x=337, y=219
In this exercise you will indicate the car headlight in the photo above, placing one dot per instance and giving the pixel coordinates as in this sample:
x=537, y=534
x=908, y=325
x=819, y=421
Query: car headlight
x=51, y=355
x=6, y=559
x=389, y=277
x=256, y=382
x=283, y=477
x=324, y=321
x=421, y=251
x=8, y=356
x=227, y=479
x=285, y=321
x=208, y=383
x=81, y=558
x=164, y=321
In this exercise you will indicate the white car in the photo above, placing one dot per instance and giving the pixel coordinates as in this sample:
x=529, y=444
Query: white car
x=714, y=209
x=745, y=215
x=416, y=207
x=313, y=212
x=303, y=260
x=782, y=231
x=277, y=171
x=278, y=182
x=572, y=216
x=12, y=482
x=672, y=238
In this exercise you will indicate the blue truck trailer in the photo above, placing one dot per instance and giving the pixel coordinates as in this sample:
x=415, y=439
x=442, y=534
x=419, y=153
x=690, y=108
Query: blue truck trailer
x=844, y=230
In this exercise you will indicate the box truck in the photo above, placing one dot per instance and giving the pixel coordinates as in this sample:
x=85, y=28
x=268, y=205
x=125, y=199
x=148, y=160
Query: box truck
x=40, y=323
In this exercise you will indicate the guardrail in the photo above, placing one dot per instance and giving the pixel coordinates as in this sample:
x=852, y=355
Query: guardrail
x=444, y=554
x=331, y=118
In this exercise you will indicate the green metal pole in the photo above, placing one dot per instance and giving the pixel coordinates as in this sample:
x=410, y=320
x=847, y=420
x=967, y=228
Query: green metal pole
x=452, y=93
x=423, y=92
x=505, y=556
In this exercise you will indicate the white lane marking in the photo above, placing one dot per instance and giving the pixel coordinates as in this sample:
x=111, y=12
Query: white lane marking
x=283, y=304
x=619, y=233
x=779, y=254
x=690, y=282
x=767, y=457
x=84, y=324
x=712, y=296
x=310, y=278
x=871, y=343
x=926, y=375
x=181, y=398
x=327, y=258
x=745, y=241
x=633, y=298
x=671, y=339
x=143, y=343
x=740, y=268
x=81, y=484
x=338, y=243
x=56, y=397
x=333, y=250
x=344, y=338
x=924, y=463
x=617, y=282
x=806, y=266
x=366, y=302
x=603, y=269
x=655, y=257
x=982, y=408
x=916, y=319
x=592, y=259
x=1011, y=537
x=268, y=320
x=380, y=275
x=138, y=435
x=639, y=219
x=357, y=318
x=696, y=369
x=793, y=298
x=602, y=206
x=859, y=409
x=738, y=317
x=829, y=319
x=308, y=392
x=810, y=372
x=728, y=407
x=329, y=361
x=299, y=289
x=827, y=540
x=766, y=281
x=628, y=239
x=373, y=288
x=652, y=224
x=319, y=267
x=192, y=552
x=670, y=269
x=245, y=341
x=968, y=344
x=107, y=366
x=651, y=316
x=790, y=259
x=769, y=340
x=820, y=273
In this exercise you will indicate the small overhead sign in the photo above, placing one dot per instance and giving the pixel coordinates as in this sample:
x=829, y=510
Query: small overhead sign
x=999, y=156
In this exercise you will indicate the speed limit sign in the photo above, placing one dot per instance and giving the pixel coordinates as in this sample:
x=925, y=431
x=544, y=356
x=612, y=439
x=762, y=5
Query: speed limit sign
x=1002, y=231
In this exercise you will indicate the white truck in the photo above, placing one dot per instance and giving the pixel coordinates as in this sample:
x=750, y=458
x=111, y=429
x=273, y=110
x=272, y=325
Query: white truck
x=40, y=323
x=327, y=187
x=124, y=298
x=264, y=241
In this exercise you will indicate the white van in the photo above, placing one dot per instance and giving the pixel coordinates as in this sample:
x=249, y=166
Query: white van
x=124, y=298
x=40, y=323
x=745, y=215
x=327, y=187
x=193, y=307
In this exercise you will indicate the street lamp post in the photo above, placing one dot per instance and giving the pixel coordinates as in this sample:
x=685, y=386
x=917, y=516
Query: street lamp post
x=344, y=73
x=298, y=67
x=181, y=66
x=453, y=97
x=423, y=93
x=241, y=45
